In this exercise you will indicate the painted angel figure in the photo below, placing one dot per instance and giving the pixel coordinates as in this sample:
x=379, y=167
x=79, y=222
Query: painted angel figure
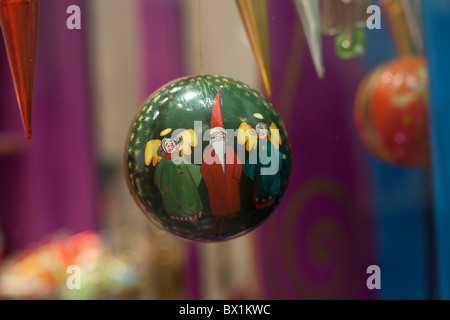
x=176, y=178
x=264, y=163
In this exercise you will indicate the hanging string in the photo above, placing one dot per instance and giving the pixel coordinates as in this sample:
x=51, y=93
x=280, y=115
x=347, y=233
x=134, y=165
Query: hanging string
x=199, y=27
x=399, y=28
x=411, y=10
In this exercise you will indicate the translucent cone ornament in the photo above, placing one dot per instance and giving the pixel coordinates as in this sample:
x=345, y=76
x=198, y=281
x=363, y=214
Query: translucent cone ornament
x=308, y=11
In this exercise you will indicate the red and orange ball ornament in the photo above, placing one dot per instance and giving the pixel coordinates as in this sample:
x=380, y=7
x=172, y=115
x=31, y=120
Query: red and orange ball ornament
x=391, y=112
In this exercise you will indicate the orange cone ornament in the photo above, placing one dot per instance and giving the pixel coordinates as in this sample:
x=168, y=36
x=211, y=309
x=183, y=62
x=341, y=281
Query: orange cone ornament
x=254, y=16
x=19, y=21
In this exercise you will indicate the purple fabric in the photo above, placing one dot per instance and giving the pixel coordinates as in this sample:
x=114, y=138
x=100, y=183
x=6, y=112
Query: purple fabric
x=160, y=45
x=317, y=244
x=53, y=183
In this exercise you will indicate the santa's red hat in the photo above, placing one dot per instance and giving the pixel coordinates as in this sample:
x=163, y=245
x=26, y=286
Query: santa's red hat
x=216, y=118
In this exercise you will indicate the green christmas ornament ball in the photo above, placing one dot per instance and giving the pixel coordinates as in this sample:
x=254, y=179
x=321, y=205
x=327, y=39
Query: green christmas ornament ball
x=207, y=158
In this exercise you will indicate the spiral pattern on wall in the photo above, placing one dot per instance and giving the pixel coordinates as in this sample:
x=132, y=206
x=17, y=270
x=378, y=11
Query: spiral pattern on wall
x=312, y=250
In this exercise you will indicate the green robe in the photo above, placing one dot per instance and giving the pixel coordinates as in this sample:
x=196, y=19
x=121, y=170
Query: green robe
x=177, y=179
x=267, y=184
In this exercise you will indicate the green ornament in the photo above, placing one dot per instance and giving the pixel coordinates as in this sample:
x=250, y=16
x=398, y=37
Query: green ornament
x=351, y=47
x=207, y=158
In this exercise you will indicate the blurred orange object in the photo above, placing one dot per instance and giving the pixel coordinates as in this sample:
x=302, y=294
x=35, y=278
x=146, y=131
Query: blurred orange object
x=391, y=112
x=40, y=272
x=82, y=248
x=19, y=20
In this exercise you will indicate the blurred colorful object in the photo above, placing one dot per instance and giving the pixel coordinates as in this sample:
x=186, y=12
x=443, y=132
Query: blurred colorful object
x=254, y=16
x=42, y=271
x=19, y=20
x=350, y=41
x=347, y=20
x=329, y=19
x=352, y=44
x=391, y=112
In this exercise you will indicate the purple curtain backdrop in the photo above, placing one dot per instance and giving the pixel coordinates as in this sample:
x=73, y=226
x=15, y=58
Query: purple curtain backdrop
x=52, y=182
x=317, y=244
x=160, y=45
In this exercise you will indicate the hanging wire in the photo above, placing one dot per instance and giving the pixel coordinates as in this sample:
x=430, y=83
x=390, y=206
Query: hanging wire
x=199, y=30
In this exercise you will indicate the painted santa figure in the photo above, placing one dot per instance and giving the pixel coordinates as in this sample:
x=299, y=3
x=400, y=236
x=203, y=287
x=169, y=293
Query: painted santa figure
x=221, y=167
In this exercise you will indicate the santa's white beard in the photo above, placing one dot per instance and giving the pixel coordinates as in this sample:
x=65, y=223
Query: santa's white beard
x=220, y=148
